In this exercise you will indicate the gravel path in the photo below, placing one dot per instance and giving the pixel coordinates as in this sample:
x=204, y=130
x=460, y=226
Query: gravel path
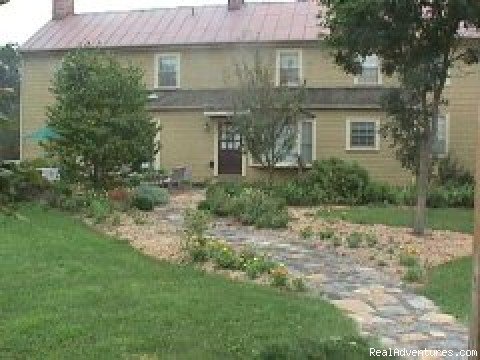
x=382, y=306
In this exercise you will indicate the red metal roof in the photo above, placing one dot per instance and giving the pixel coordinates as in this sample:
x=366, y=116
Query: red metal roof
x=254, y=22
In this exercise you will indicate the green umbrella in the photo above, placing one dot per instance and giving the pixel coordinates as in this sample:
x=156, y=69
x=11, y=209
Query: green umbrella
x=43, y=134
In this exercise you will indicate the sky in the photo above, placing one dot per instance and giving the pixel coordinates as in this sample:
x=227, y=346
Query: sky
x=20, y=19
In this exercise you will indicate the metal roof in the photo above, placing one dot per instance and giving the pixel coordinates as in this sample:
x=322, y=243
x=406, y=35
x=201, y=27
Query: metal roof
x=221, y=99
x=253, y=23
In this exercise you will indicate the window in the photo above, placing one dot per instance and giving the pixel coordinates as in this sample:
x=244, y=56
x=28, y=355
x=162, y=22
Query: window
x=440, y=146
x=371, y=74
x=305, y=146
x=363, y=134
x=168, y=71
x=289, y=68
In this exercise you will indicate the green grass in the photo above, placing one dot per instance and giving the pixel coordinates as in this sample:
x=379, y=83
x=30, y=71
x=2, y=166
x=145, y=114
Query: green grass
x=70, y=293
x=450, y=285
x=460, y=220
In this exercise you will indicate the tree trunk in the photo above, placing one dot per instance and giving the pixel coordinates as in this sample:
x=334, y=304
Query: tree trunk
x=422, y=187
x=474, y=340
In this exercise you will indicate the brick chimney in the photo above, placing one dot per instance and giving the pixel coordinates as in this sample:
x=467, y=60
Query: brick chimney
x=63, y=9
x=235, y=4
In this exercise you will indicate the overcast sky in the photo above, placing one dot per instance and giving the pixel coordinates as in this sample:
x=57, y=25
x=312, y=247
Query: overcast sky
x=20, y=19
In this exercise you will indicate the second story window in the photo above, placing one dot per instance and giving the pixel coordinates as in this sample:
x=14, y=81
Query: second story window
x=289, y=67
x=168, y=71
x=371, y=72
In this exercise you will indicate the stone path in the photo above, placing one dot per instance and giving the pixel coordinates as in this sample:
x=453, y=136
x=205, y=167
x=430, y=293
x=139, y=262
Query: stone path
x=383, y=307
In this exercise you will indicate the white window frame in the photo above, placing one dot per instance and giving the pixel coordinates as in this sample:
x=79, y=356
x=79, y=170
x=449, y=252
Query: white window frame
x=447, y=136
x=288, y=164
x=348, y=135
x=157, y=70
x=299, y=53
x=356, y=79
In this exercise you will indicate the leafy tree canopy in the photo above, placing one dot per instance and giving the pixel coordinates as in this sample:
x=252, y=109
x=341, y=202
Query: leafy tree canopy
x=100, y=118
x=266, y=115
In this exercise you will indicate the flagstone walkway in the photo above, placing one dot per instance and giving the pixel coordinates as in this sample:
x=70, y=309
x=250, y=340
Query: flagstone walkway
x=383, y=307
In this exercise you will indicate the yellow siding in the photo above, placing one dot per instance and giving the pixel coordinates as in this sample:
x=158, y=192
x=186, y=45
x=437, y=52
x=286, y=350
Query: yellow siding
x=187, y=142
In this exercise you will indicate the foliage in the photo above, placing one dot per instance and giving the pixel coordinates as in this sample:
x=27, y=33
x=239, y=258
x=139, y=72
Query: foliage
x=196, y=224
x=298, y=285
x=279, y=276
x=306, y=233
x=414, y=273
x=409, y=260
x=252, y=206
x=99, y=209
x=257, y=266
x=186, y=312
x=459, y=220
x=326, y=234
x=371, y=240
x=419, y=42
x=224, y=256
x=9, y=102
x=265, y=115
x=146, y=197
x=451, y=173
x=354, y=240
x=460, y=196
x=100, y=119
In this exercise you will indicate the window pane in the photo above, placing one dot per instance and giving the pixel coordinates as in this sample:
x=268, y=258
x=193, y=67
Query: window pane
x=291, y=157
x=370, y=70
x=362, y=134
x=289, y=69
x=168, y=70
x=440, y=145
x=306, y=149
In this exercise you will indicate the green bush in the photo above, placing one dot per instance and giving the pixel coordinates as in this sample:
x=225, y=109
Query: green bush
x=224, y=256
x=326, y=234
x=99, y=209
x=414, y=273
x=143, y=202
x=146, y=197
x=408, y=260
x=354, y=240
x=258, y=266
x=451, y=173
x=451, y=196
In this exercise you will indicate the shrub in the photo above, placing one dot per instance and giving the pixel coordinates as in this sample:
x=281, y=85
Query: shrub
x=298, y=285
x=354, y=240
x=258, y=266
x=371, y=240
x=336, y=241
x=451, y=173
x=159, y=196
x=414, y=273
x=279, y=276
x=196, y=223
x=224, y=256
x=327, y=234
x=306, y=233
x=99, y=209
x=409, y=260
x=143, y=202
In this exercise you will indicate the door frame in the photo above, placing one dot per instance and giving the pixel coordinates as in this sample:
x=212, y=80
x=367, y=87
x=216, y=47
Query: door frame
x=217, y=120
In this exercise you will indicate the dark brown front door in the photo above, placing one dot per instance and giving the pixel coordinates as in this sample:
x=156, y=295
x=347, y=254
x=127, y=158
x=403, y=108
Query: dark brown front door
x=229, y=149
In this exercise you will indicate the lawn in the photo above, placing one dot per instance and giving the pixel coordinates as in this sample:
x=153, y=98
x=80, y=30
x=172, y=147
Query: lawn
x=460, y=220
x=68, y=292
x=450, y=286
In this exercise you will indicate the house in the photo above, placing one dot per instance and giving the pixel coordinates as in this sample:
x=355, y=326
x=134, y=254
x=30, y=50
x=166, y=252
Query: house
x=188, y=54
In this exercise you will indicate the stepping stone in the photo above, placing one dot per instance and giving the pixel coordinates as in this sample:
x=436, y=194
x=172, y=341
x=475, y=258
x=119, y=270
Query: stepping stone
x=413, y=337
x=420, y=303
x=437, y=318
x=353, y=306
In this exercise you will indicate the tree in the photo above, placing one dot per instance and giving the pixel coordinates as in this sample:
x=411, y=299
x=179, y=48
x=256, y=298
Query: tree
x=266, y=116
x=9, y=102
x=418, y=41
x=99, y=118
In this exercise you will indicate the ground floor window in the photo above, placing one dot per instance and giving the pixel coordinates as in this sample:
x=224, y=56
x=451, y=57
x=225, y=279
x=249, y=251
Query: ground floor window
x=440, y=146
x=363, y=134
x=304, y=145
